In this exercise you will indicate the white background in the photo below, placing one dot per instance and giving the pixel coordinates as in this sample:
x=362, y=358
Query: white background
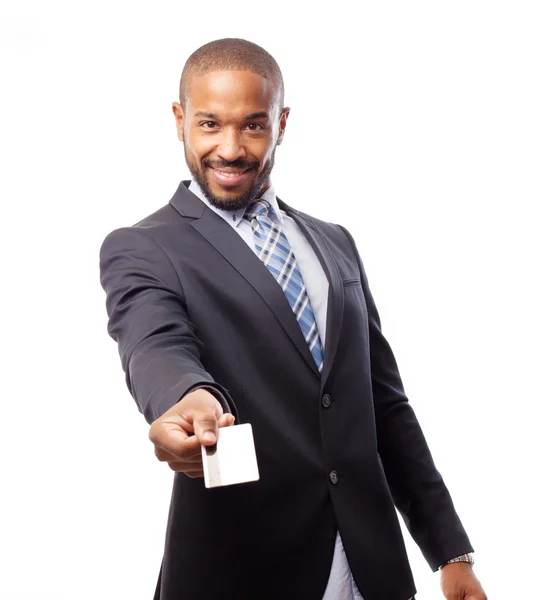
x=419, y=125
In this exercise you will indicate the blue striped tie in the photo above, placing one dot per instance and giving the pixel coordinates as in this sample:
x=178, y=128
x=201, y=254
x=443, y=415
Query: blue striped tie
x=273, y=249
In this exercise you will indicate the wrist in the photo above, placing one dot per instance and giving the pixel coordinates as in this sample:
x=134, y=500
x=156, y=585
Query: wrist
x=213, y=392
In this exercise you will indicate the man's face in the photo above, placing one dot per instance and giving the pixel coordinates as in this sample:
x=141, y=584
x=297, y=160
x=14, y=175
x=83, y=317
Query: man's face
x=230, y=125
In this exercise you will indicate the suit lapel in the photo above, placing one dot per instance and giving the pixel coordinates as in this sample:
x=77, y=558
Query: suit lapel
x=234, y=249
x=335, y=290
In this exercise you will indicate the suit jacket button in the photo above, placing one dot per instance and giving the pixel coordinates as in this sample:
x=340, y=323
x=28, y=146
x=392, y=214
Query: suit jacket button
x=326, y=400
x=334, y=477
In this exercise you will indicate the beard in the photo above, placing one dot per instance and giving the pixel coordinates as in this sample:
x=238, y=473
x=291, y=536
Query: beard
x=258, y=186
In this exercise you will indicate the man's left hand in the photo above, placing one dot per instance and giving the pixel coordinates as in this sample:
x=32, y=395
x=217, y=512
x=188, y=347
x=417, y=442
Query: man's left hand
x=459, y=582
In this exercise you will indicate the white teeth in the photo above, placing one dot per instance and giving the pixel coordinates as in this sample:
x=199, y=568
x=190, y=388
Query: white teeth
x=224, y=174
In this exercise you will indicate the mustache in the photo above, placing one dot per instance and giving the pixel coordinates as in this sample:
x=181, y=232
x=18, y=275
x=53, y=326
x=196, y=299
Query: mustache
x=235, y=164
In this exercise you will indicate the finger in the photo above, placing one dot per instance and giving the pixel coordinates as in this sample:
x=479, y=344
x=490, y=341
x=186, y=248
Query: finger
x=226, y=420
x=169, y=435
x=187, y=469
x=171, y=446
x=164, y=456
x=189, y=449
x=195, y=474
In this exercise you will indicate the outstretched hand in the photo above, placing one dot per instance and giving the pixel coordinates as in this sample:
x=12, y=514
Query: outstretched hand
x=179, y=433
x=459, y=582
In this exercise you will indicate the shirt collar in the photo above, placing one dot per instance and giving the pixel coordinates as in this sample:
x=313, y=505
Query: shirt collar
x=234, y=217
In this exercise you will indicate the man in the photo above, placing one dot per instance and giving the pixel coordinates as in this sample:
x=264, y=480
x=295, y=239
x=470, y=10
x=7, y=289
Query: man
x=230, y=306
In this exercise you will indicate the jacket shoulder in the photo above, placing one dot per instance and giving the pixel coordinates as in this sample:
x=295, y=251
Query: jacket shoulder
x=167, y=220
x=163, y=218
x=154, y=226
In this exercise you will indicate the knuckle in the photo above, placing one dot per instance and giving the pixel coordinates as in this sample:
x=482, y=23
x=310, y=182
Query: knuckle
x=153, y=434
x=162, y=455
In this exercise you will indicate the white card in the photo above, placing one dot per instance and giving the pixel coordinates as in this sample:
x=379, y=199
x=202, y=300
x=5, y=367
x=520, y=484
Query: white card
x=232, y=459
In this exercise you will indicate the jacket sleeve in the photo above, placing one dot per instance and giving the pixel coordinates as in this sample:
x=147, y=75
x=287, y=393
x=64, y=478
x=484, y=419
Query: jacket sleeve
x=147, y=317
x=416, y=486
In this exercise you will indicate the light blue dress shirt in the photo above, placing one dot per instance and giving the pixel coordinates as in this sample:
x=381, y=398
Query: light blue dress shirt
x=341, y=585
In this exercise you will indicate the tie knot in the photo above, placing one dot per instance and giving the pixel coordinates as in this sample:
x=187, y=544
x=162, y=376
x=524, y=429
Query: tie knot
x=260, y=208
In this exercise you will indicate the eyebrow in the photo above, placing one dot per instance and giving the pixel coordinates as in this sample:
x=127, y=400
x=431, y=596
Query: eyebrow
x=206, y=115
x=256, y=115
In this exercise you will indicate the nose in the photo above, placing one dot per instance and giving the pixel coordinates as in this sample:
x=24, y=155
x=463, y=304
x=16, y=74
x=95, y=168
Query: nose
x=230, y=147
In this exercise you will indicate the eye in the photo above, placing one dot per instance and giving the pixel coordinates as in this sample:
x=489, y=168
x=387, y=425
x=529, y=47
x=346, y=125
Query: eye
x=255, y=127
x=208, y=124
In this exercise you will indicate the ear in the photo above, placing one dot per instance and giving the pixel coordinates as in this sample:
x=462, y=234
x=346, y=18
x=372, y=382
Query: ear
x=179, y=118
x=282, y=124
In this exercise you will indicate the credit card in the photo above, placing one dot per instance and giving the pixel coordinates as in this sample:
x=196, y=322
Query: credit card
x=232, y=459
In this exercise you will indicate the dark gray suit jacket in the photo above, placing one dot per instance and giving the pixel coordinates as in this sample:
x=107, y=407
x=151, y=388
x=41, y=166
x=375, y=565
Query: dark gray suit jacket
x=190, y=304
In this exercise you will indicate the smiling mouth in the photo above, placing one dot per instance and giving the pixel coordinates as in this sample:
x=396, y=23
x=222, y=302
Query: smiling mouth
x=230, y=173
x=229, y=177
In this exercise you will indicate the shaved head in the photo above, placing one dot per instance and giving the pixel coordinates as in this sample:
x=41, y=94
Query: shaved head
x=232, y=54
x=231, y=118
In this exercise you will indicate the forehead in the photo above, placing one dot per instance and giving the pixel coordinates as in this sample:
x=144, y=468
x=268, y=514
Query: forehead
x=230, y=92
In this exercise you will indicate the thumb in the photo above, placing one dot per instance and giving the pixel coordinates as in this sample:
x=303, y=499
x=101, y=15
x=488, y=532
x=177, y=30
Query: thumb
x=205, y=427
x=201, y=411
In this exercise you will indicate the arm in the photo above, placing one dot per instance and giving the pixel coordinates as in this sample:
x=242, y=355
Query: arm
x=159, y=350
x=417, y=488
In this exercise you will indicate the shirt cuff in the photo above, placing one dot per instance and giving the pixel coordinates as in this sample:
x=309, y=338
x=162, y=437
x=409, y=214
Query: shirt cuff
x=467, y=558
